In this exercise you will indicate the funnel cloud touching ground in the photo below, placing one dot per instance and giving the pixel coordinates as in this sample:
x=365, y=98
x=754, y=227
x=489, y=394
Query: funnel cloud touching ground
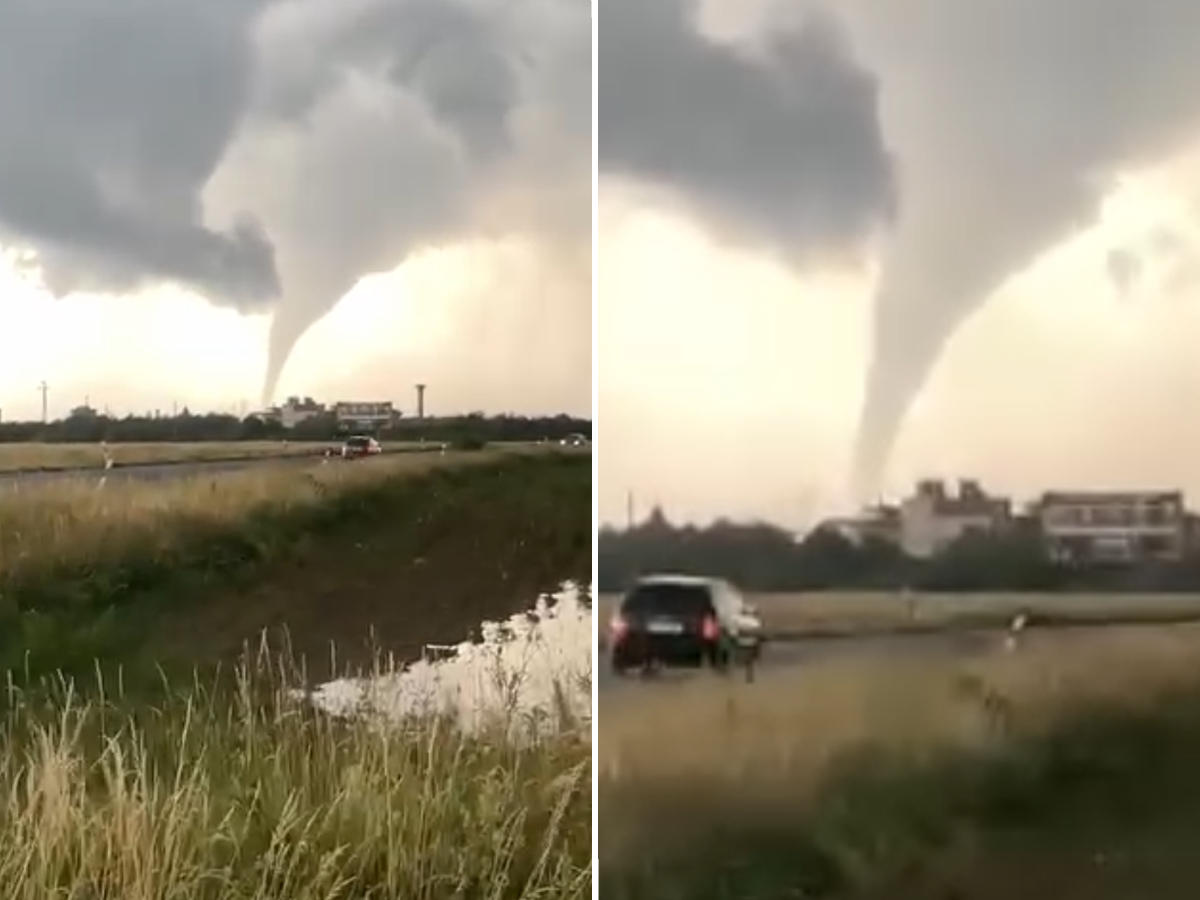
x=1012, y=121
x=1008, y=120
x=269, y=154
x=413, y=123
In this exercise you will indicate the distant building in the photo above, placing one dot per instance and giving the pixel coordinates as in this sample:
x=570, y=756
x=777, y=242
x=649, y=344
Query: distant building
x=1114, y=526
x=84, y=411
x=879, y=522
x=1191, y=534
x=292, y=411
x=365, y=415
x=295, y=410
x=934, y=517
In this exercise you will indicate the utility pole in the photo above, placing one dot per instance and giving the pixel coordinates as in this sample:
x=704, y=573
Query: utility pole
x=45, y=389
x=421, y=401
x=629, y=510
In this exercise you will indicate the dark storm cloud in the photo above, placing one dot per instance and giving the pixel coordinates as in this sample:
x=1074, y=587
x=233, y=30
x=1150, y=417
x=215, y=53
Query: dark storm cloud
x=460, y=60
x=779, y=143
x=355, y=131
x=113, y=116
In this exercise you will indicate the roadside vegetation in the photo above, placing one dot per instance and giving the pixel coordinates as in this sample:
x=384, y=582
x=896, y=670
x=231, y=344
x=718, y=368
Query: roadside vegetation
x=85, y=570
x=1065, y=770
x=764, y=558
x=154, y=746
x=88, y=427
x=246, y=793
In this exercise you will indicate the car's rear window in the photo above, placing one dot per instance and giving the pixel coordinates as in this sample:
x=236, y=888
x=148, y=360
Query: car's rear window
x=668, y=600
x=358, y=442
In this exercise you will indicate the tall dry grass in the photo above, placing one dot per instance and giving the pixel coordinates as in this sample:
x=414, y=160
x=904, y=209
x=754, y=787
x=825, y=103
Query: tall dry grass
x=766, y=765
x=250, y=794
x=243, y=791
x=81, y=524
x=74, y=556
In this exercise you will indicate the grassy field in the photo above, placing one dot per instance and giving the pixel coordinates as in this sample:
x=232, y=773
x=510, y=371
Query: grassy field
x=1066, y=769
x=276, y=547
x=797, y=615
x=51, y=457
x=126, y=777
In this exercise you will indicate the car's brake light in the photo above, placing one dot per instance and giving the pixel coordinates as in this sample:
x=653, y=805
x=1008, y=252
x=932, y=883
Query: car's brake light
x=618, y=627
x=709, y=629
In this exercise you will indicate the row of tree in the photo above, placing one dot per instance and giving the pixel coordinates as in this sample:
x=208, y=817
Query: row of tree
x=760, y=557
x=89, y=427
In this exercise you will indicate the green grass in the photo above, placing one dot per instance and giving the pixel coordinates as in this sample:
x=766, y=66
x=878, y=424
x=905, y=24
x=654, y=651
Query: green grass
x=1098, y=799
x=131, y=771
x=82, y=592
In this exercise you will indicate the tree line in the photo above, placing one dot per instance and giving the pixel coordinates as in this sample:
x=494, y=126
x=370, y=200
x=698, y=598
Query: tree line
x=186, y=427
x=764, y=558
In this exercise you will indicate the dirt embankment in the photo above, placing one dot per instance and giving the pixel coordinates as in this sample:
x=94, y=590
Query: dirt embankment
x=468, y=546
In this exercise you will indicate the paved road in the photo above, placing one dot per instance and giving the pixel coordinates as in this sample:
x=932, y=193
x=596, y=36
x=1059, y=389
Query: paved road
x=151, y=472
x=791, y=655
x=949, y=644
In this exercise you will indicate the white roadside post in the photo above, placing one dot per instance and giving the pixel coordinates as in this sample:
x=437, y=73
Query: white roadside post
x=108, y=464
x=1015, y=629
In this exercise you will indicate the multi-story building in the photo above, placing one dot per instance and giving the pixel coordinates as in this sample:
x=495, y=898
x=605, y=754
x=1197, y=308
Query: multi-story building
x=1114, y=526
x=934, y=517
x=292, y=411
x=299, y=409
x=365, y=415
x=1191, y=534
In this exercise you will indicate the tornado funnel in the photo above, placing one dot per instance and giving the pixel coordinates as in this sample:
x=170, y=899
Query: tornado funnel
x=951, y=254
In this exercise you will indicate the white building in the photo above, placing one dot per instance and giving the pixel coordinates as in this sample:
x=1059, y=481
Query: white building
x=1114, y=526
x=365, y=414
x=933, y=517
x=292, y=411
x=296, y=410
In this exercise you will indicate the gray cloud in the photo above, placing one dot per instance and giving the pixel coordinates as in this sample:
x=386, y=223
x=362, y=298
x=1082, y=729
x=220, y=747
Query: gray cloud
x=778, y=143
x=1124, y=268
x=459, y=60
x=357, y=132
x=1007, y=119
x=1011, y=118
x=112, y=119
x=407, y=121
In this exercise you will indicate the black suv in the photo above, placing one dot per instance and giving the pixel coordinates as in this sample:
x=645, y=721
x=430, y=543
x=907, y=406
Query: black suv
x=681, y=621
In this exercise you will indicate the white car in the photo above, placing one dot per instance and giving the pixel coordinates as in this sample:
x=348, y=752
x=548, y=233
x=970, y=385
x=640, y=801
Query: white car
x=360, y=446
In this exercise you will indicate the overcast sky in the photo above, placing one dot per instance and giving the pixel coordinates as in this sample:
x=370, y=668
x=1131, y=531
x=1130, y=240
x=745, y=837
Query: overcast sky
x=845, y=245
x=189, y=192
